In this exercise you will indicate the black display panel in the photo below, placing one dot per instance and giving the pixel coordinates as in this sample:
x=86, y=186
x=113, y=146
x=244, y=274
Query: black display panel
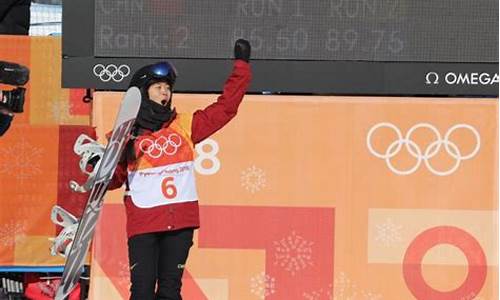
x=336, y=47
x=371, y=30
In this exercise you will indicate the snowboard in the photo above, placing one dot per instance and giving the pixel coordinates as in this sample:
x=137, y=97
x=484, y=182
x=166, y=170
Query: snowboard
x=86, y=226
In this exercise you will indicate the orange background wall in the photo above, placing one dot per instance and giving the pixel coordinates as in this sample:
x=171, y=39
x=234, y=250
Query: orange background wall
x=301, y=208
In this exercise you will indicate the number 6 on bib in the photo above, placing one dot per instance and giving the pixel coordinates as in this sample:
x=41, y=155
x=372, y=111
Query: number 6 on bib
x=121, y=131
x=168, y=188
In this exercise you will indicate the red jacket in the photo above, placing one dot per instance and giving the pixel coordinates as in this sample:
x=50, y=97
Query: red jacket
x=205, y=122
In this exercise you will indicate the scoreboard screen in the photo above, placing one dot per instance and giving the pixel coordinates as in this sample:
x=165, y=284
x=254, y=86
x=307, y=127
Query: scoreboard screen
x=368, y=47
x=370, y=30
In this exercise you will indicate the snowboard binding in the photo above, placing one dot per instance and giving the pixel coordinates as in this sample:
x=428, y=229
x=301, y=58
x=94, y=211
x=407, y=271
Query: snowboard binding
x=61, y=244
x=91, y=153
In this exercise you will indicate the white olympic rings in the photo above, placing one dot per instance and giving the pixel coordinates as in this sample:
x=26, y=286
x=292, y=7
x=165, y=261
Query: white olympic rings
x=111, y=72
x=162, y=145
x=430, y=151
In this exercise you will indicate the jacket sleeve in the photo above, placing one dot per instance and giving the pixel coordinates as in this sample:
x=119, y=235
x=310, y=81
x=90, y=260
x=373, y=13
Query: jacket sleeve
x=207, y=121
x=119, y=177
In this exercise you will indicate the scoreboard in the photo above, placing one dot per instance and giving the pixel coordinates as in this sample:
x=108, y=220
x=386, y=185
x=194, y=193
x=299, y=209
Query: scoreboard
x=392, y=47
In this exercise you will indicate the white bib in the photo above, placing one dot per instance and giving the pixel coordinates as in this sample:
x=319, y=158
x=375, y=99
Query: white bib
x=163, y=185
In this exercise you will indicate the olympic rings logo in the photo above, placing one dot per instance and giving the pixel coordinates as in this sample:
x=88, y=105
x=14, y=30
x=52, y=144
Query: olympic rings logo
x=432, y=149
x=162, y=145
x=111, y=72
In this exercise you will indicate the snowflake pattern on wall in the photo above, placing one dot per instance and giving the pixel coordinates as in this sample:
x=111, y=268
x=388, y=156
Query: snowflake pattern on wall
x=293, y=253
x=320, y=294
x=370, y=296
x=346, y=289
x=253, y=179
x=388, y=233
x=12, y=231
x=124, y=274
x=471, y=296
x=262, y=285
x=21, y=160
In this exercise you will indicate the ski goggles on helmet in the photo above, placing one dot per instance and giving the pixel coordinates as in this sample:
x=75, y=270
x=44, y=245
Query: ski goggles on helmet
x=162, y=71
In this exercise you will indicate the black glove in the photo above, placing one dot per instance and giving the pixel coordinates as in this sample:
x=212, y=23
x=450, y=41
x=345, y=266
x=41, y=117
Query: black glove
x=242, y=50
